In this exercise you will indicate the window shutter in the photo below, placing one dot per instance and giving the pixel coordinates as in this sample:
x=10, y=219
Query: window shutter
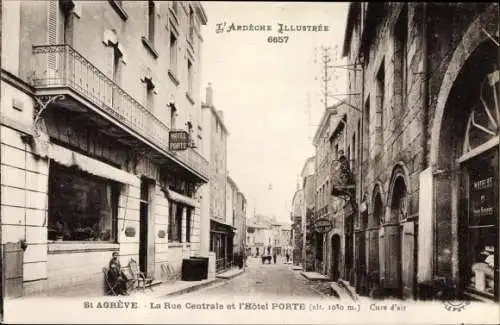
x=52, y=31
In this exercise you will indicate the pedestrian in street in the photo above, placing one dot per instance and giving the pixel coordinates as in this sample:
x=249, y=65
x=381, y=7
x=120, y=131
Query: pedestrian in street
x=287, y=257
x=274, y=257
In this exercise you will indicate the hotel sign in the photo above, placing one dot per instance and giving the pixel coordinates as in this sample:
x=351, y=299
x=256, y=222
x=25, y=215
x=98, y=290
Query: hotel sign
x=178, y=140
x=322, y=225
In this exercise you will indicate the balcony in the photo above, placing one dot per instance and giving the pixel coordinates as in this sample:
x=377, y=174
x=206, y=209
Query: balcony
x=60, y=69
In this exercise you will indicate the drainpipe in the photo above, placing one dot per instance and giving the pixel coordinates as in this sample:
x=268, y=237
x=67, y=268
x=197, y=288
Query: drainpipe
x=424, y=136
x=425, y=95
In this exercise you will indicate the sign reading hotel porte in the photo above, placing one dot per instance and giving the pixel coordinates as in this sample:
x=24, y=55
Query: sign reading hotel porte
x=178, y=140
x=322, y=225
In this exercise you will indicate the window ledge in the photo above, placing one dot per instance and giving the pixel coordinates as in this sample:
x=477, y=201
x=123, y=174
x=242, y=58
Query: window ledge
x=188, y=96
x=118, y=8
x=81, y=247
x=150, y=47
x=173, y=245
x=173, y=77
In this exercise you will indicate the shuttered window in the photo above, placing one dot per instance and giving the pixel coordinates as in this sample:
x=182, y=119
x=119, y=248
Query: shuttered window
x=52, y=30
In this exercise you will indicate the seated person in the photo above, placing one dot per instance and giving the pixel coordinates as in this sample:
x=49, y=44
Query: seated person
x=117, y=278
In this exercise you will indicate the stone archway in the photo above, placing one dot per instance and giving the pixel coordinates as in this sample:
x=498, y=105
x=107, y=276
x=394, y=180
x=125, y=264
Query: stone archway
x=398, y=238
x=472, y=39
x=375, y=219
x=474, y=57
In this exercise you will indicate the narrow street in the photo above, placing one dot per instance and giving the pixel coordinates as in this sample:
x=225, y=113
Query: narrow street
x=263, y=280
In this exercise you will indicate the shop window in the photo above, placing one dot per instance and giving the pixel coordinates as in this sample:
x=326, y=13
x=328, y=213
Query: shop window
x=482, y=225
x=82, y=207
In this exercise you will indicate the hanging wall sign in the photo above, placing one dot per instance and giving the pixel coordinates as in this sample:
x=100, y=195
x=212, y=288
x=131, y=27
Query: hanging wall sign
x=178, y=140
x=322, y=225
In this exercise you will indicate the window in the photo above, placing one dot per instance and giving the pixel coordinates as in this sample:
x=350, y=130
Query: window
x=173, y=115
x=82, y=207
x=173, y=53
x=151, y=21
x=191, y=25
x=400, y=48
x=190, y=77
x=381, y=99
x=354, y=152
x=175, y=222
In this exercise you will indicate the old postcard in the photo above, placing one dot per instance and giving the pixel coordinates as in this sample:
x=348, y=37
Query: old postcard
x=249, y=162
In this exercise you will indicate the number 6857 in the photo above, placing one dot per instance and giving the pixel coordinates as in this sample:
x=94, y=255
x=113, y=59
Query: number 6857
x=277, y=39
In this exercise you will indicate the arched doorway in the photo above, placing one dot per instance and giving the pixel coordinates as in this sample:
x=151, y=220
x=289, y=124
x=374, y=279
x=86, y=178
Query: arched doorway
x=466, y=156
x=393, y=241
x=335, y=256
x=374, y=223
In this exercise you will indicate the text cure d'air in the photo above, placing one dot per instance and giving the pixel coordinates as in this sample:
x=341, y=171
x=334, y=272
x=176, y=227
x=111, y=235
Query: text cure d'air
x=232, y=27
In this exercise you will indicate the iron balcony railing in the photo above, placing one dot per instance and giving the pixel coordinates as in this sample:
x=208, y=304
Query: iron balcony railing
x=61, y=66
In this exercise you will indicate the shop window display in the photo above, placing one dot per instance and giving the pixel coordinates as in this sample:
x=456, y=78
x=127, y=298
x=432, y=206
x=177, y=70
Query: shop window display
x=82, y=207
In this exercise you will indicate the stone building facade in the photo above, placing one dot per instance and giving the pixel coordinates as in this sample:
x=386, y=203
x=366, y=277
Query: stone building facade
x=309, y=187
x=90, y=93
x=424, y=138
x=221, y=232
x=296, y=217
x=329, y=143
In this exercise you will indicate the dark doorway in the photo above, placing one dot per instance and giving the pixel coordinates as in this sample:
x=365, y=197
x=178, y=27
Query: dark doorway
x=335, y=257
x=143, y=225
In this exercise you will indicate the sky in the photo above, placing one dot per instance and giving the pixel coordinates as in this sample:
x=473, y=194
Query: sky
x=268, y=92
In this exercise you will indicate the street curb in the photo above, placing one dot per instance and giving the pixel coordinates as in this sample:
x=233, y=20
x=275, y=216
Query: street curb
x=192, y=288
x=231, y=276
x=312, y=279
x=350, y=291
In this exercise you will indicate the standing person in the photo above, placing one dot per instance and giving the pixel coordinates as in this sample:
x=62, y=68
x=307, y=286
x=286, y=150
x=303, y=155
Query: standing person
x=274, y=257
x=287, y=257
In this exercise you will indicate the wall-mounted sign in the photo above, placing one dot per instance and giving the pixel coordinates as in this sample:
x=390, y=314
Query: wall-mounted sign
x=178, y=140
x=322, y=225
x=130, y=231
x=161, y=233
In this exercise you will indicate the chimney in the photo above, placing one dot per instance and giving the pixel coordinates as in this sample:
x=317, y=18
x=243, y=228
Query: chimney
x=221, y=115
x=209, y=95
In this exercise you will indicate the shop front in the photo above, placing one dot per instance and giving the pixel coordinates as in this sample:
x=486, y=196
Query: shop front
x=466, y=174
x=221, y=242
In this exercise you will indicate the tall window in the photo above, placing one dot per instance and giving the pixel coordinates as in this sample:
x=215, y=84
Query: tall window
x=82, y=207
x=175, y=222
x=190, y=77
x=173, y=53
x=400, y=48
x=173, y=115
x=151, y=21
x=381, y=100
x=191, y=25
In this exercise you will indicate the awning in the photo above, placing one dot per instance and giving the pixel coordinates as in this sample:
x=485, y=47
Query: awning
x=219, y=225
x=70, y=158
x=177, y=197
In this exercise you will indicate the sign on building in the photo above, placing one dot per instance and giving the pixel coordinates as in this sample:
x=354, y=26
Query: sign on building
x=178, y=140
x=322, y=225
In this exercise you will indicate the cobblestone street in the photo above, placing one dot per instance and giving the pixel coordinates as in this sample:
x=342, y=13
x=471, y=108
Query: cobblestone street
x=264, y=280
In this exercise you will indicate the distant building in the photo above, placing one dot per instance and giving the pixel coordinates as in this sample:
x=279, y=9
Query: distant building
x=221, y=232
x=309, y=187
x=329, y=144
x=297, y=215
